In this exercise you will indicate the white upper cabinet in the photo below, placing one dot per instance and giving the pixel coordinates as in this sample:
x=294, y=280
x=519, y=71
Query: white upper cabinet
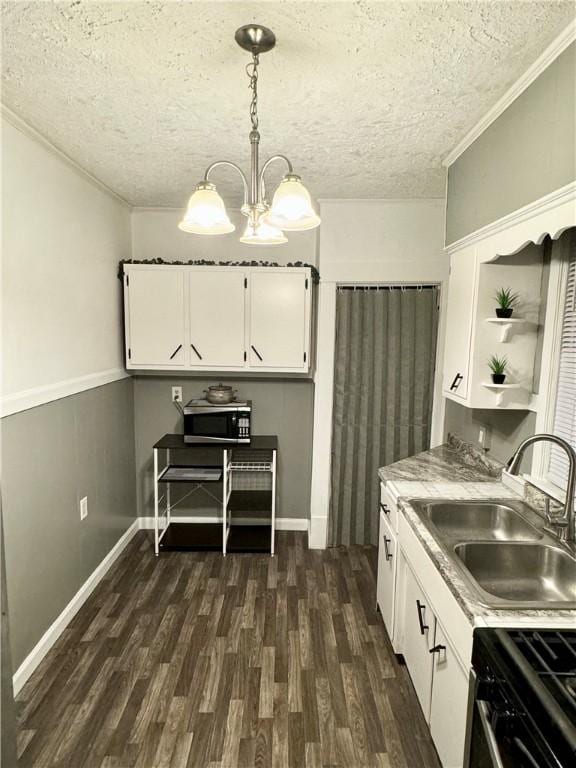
x=459, y=323
x=216, y=303
x=212, y=319
x=154, y=315
x=474, y=334
x=279, y=319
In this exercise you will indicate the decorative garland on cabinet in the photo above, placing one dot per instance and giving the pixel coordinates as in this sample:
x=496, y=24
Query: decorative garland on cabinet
x=206, y=263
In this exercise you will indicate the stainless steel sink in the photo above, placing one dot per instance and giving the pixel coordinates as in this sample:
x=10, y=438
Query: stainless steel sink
x=503, y=552
x=479, y=520
x=521, y=573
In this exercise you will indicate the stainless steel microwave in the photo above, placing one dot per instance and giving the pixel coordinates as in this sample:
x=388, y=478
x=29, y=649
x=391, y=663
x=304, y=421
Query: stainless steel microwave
x=206, y=423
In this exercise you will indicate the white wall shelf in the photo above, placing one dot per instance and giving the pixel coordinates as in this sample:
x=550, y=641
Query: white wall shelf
x=500, y=390
x=506, y=325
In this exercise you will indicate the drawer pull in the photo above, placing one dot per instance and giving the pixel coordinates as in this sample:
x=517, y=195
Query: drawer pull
x=384, y=509
x=386, y=550
x=421, y=608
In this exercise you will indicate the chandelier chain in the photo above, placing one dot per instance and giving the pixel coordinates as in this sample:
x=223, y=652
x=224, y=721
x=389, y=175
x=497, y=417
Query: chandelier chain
x=252, y=72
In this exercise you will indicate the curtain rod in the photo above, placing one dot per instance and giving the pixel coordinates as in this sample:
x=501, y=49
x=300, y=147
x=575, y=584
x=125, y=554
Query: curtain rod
x=386, y=287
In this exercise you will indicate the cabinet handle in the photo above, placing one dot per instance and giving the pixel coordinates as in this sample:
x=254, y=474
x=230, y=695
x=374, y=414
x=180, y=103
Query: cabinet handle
x=258, y=355
x=197, y=353
x=522, y=747
x=492, y=743
x=384, y=509
x=437, y=648
x=178, y=348
x=456, y=383
x=386, y=550
x=421, y=608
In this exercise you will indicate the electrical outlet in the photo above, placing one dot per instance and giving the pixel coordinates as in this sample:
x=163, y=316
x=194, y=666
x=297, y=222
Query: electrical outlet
x=84, y=508
x=176, y=394
x=484, y=435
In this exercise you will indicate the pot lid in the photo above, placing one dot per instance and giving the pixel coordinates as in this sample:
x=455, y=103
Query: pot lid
x=220, y=388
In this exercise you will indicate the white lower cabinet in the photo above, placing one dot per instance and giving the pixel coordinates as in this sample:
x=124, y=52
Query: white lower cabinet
x=439, y=679
x=448, y=704
x=427, y=626
x=386, y=584
x=418, y=631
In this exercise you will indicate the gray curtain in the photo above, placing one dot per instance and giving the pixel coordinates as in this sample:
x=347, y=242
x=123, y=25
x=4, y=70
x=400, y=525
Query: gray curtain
x=383, y=388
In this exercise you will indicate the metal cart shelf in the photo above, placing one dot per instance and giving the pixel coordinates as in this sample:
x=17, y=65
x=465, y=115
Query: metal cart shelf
x=218, y=464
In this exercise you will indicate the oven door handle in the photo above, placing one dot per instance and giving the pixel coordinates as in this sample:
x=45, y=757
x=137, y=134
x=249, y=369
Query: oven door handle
x=489, y=734
x=522, y=747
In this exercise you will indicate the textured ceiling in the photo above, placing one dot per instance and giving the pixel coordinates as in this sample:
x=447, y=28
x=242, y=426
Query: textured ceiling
x=365, y=97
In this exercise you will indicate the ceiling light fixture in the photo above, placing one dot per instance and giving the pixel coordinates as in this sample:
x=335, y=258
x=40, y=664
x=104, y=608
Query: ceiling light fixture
x=291, y=208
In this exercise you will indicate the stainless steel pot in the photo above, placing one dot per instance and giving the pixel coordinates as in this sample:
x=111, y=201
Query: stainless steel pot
x=220, y=394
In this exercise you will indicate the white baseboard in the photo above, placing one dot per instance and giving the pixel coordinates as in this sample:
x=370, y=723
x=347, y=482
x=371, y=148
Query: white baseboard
x=282, y=523
x=53, y=632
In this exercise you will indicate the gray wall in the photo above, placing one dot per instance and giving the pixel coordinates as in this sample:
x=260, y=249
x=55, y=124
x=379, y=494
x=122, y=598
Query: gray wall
x=529, y=151
x=508, y=428
x=282, y=406
x=53, y=455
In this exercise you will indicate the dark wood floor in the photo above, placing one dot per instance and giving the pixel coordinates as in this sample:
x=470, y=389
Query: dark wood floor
x=194, y=661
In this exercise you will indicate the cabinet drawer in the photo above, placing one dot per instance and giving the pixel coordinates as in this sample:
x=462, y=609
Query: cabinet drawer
x=388, y=507
x=386, y=582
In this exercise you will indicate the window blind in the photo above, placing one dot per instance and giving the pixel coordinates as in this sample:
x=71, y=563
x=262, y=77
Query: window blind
x=565, y=413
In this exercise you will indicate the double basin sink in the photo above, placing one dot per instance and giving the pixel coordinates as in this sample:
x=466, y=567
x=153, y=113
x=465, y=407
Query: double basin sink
x=503, y=552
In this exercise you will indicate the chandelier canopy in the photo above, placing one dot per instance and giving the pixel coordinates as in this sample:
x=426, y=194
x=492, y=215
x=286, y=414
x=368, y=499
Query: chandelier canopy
x=291, y=210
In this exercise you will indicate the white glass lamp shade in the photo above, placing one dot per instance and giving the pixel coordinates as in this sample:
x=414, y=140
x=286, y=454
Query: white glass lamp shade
x=292, y=208
x=206, y=214
x=262, y=233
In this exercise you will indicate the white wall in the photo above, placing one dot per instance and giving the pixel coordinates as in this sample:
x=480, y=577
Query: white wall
x=62, y=238
x=367, y=241
x=382, y=240
x=155, y=234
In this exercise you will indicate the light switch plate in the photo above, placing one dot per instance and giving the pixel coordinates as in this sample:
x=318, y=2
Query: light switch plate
x=84, y=508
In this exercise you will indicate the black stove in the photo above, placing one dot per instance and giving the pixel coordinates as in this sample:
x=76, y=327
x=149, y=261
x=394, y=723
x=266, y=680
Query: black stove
x=523, y=702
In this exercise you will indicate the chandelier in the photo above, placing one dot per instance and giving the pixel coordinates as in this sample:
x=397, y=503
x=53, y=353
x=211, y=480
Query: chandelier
x=291, y=209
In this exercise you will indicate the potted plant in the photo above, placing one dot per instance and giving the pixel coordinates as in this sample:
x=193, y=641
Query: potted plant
x=498, y=368
x=506, y=300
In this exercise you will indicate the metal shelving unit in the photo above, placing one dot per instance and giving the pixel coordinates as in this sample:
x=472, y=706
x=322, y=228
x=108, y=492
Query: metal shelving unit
x=220, y=465
x=254, y=533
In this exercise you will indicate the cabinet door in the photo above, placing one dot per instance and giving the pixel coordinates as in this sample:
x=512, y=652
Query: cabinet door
x=418, y=632
x=216, y=317
x=449, y=703
x=459, y=323
x=279, y=320
x=386, y=582
x=155, y=309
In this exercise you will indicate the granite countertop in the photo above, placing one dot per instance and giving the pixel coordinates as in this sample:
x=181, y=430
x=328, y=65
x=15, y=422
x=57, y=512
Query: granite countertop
x=457, y=471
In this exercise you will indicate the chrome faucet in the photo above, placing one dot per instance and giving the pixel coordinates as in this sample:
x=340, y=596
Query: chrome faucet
x=564, y=523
